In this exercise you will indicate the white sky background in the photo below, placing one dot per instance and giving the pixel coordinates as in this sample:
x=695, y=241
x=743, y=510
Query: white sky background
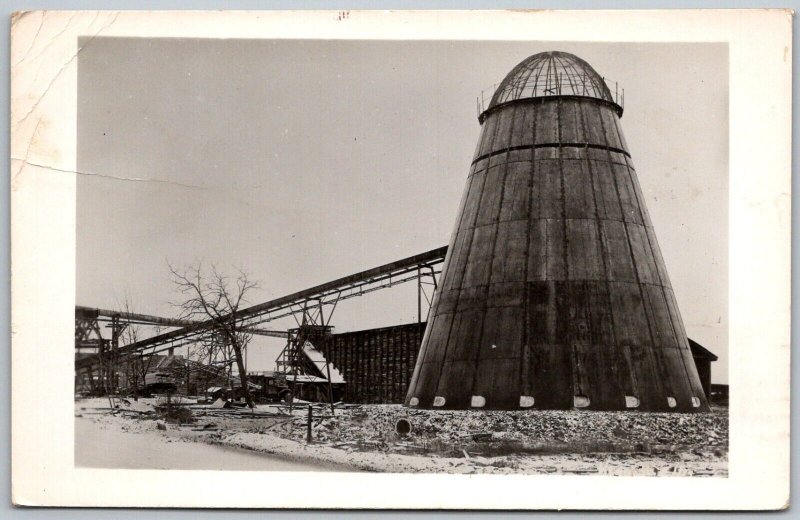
x=303, y=161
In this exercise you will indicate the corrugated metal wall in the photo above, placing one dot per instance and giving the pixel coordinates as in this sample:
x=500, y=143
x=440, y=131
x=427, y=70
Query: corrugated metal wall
x=377, y=364
x=554, y=291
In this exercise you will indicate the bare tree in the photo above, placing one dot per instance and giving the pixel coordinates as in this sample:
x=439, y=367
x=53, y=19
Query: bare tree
x=214, y=296
x=138, y=364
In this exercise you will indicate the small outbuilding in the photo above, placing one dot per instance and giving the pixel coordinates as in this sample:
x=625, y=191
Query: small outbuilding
x=702, y=360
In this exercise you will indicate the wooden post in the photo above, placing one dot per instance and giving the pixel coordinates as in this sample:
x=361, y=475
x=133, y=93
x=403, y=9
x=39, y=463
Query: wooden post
x=310, y=418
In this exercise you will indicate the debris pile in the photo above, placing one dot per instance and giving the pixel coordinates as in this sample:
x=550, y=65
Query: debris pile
x=375, y=427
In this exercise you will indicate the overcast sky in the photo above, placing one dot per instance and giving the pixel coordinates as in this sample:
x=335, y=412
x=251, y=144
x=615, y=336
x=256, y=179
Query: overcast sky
x=303, y=160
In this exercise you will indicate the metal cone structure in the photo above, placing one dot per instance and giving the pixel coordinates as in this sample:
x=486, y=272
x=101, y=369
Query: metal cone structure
x=554, y=294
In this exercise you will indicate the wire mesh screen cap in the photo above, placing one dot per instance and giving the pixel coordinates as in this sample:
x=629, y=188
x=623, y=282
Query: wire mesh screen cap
x=554, y=73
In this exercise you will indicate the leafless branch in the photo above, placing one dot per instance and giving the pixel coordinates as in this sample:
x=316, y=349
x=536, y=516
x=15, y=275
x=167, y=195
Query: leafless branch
x=214, y=296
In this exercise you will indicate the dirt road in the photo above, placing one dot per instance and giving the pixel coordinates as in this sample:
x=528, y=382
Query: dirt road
x=99, y=446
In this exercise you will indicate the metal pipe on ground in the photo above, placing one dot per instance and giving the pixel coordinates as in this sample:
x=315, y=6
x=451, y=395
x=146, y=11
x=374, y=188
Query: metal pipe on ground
x=403, y=427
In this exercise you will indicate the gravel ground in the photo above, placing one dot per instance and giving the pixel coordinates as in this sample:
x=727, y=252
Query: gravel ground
x=530, y=442
x=533, y=431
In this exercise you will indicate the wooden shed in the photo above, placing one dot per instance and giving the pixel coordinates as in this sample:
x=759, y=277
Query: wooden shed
x=702, y=360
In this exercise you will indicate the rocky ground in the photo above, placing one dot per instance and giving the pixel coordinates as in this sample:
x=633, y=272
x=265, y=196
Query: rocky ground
x=525, y=431
x=365, y=438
